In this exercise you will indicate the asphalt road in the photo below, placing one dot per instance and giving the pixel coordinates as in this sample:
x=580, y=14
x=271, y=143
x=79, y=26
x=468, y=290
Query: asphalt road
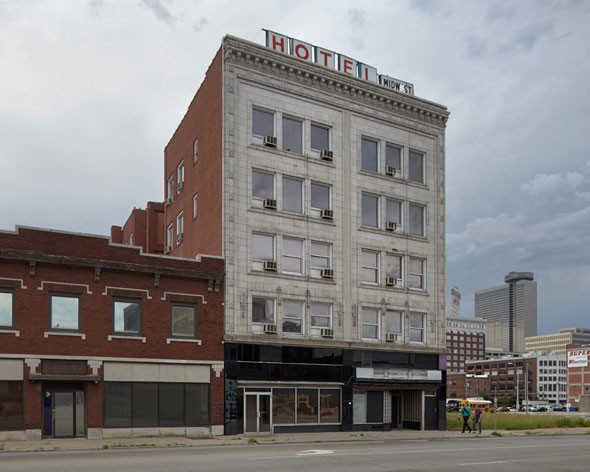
x=497, y=454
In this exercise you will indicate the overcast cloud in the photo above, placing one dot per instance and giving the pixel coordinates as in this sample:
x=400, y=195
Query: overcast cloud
x=91, y=92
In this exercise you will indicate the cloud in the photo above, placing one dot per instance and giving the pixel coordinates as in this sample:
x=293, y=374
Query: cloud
x=357, y=16
x=159, y=10
x=546, y=186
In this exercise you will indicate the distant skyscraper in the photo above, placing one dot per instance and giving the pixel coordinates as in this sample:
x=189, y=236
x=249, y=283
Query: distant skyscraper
x=455, y=301
x=511, y=311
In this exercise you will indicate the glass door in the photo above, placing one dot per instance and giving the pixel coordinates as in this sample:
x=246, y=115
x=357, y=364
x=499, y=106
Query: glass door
x=257, y=418
x=63, y=415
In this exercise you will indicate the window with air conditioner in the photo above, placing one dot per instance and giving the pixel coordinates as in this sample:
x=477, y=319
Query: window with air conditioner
x=292, y=195
x=320, y=137
x=263, y=310
x=417, y=273
x=170, y=190
x=370, y=210
x=293, y=315
x=180, y=177
x=369, y=155
x=416, y=167
x=263, y=249
x=320, y=257
x=263, y=185
x=369, y=266
x=393, y=159
x=417, y=322
x=263, y=122
x=292, y=258
x=416, y=219
x=320, y=197
x=370, y=323
x=393, y=214
x=393, y=322
x=393, y=269
x=321, y=315
x=179, y=228
x=292, y=135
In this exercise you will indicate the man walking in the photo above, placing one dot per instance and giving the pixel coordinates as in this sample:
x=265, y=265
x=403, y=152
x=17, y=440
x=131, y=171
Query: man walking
x=466, y=413
x=477, y=419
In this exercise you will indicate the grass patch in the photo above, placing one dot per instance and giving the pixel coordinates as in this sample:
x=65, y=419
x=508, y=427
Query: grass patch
x=495, y=433
x=252, y=441
x=519, y=421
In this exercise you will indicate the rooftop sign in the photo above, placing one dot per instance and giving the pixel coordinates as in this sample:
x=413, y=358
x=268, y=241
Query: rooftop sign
x=333, y=60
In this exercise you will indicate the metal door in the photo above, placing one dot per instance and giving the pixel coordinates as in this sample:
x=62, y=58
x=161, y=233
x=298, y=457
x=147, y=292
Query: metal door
x=257, y=417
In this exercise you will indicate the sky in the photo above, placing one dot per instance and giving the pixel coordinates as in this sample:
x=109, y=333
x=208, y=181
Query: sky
x=92, y=90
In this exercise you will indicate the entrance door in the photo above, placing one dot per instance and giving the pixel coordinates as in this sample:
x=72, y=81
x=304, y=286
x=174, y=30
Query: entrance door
x=257, y=413
x=64, y=413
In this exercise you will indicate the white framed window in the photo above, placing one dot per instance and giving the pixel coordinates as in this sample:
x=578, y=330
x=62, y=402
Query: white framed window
x=393, y=158
x=170, y=236
x=263, y=184
x=321, y=315
x=127, y=317
x=292, y=135
x=320, y=137
x=320, y=196
x=370, y=210
x=416, y=329
x=170, y=189
x=6, y=308
x=64, y=312
x=393, y=322
x=195, y=206
x=393, y=211
x=416, y=273
x=195, y=151
x=293, y=311
x=416, y=219
x=370, y=323
x=263, y=122
x=292, y=260
x=292, y=195
x=393, y=266
x=180, y=177
x=416, y=166
x=263, y=247
x=263, y=310
x=179, y=228
x=369, y=155
x=320, y=256
x=369, y=266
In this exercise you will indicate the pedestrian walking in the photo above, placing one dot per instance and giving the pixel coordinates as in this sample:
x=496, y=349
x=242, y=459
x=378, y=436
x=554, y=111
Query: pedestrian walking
x=466, y=413
x=477, y=419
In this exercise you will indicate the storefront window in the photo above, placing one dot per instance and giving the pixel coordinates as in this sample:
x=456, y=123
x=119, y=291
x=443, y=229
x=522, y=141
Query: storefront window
x=283, y=406
x=307, y=405
x=11, y=406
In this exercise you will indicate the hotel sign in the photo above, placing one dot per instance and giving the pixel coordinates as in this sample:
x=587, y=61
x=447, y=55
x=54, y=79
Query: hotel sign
x=577, y=359
x=332, y=60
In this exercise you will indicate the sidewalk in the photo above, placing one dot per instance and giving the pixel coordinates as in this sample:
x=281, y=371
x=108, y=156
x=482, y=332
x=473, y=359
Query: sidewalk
x=253, y=440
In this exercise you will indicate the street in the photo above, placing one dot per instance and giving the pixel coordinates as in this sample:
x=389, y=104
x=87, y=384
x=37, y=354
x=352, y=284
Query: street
x=498, y=454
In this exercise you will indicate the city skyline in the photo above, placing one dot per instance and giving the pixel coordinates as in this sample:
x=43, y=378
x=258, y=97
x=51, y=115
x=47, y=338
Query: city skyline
x=92, y=91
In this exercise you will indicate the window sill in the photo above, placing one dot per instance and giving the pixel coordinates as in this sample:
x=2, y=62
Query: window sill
x=110, y=337
x=16, y=332
x=182, y=340
x=46, y=334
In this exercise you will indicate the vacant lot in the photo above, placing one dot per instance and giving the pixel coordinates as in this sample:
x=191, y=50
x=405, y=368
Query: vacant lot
x=517, y=421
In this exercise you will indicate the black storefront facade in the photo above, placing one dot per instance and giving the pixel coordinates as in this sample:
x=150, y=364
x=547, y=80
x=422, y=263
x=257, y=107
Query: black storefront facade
x=280, y=389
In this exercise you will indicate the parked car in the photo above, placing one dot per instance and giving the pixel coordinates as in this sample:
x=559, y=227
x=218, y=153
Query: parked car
x=503, y=409
x=558, y=408
x=542, y=409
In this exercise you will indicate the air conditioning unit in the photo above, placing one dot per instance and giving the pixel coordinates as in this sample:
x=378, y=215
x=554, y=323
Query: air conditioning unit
x=270, y=141
x=327, y=214
x=270, y=266
x=168, y=201
x=390, y=337
x=270, y=203
x=270, y=328
x=179, y=238
x=167, y=249
x=327, y=273
x=327, y=333
x=390, y=170
x=179, y=187
x=390, y=226
x=392, y=281
x=326, y=155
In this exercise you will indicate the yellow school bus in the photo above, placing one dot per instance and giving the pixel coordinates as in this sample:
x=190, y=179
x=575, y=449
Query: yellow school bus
x=473, y=403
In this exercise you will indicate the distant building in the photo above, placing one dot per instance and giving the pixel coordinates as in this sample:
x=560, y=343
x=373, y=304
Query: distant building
x=557, y=342
x=578, y=376
x=511, y=312
x=465, y=341
x=552, y=381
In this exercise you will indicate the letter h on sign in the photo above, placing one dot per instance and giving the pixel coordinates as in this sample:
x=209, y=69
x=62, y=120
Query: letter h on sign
x=278, y=42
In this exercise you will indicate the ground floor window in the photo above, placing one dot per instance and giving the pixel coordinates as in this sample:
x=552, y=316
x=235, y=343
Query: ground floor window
x=153, y=404
x=305, y=405
x=11, y=406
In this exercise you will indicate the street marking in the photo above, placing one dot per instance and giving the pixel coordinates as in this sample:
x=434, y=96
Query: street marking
x=314, y=452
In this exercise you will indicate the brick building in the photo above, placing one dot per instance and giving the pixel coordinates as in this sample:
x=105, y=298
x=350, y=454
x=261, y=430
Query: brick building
x=466, y=341
x=578, y=376
x=100, y=340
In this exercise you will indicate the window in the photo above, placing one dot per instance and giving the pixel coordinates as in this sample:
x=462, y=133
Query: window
x=195, y=151
x=65, y=312
x=305, y=405
x=179, y=228
x=321, y=315
x=393, y=211
x=263, y=247
x=370, y=210
x=292, y=195
x=417, y=327
x=127, y=317
x=369, y=266
x=320, y=196
x=293, y=317
x=11, y=405
x=6, y=309
x=321, y=255
x=370, y=323
x=320, y=137
x=292, y=135
x=393, y=266
x=393, y=322
x=169, y=236
x=184, y=320
x=170, y=189
x=263, y=310
x=263, y=123
x=180, y=176
x=393, y=157
x=416, y=167
x=292, y=260
x=416, y=273
x=195, y=206
x=263, y=184
x=416, y=219
x=369, y=159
